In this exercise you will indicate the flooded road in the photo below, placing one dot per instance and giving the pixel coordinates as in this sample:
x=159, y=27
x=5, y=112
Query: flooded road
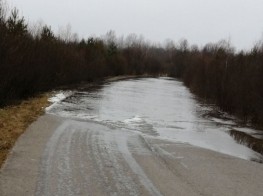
x=162, y=108
x=133, y=137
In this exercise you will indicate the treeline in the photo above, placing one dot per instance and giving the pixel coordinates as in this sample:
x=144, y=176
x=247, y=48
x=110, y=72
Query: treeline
x=35, y=61
x=233, y=81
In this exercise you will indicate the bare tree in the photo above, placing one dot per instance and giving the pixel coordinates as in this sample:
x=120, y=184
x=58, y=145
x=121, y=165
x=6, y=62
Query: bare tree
x=65, y=33
x=110, y=37
x=35, y=29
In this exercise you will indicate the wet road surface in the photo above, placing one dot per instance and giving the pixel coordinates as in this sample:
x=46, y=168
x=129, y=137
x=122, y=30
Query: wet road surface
x=97, y=151
x=159, y=107
x=58, y=156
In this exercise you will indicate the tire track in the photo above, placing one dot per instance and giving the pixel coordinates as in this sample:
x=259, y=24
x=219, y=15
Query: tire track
x=48, y=158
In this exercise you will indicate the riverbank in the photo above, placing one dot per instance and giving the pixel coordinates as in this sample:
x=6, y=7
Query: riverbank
x=16, y=118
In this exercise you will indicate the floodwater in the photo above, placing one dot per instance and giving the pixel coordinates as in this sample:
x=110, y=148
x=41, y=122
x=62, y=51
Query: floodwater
x=158, y=108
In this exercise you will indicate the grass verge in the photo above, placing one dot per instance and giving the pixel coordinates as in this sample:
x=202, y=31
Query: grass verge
x=16, y=118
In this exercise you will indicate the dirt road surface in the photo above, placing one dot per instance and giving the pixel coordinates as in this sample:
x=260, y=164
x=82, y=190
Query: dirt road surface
x=65, y=157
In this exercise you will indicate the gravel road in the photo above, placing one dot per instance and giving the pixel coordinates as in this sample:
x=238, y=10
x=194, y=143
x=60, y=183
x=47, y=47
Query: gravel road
x=59, y=156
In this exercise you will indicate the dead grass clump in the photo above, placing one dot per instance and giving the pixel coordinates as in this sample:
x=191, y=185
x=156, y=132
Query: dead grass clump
x=255, y=144
x=15, y=119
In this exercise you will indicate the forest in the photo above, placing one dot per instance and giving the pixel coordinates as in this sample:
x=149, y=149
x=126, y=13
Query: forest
x=37, y=60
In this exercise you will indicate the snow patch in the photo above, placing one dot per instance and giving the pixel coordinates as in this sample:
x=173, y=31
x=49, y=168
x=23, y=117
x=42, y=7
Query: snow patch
x=57, y=98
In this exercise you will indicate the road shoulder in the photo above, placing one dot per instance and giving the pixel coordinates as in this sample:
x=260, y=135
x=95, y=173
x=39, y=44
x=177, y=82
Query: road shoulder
x=25, y=157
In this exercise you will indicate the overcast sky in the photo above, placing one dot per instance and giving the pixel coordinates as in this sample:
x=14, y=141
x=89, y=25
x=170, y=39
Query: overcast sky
x=199, y=21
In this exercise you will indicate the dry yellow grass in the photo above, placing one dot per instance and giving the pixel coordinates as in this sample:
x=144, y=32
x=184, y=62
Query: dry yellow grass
x=15, y=119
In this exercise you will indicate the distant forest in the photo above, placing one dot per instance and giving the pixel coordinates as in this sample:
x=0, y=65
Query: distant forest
x=34, y=60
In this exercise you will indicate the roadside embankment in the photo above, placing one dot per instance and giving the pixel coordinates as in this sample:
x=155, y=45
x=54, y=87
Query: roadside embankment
x=16, y=118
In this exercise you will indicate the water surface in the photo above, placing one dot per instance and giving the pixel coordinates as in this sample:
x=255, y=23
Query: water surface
x=155, y=107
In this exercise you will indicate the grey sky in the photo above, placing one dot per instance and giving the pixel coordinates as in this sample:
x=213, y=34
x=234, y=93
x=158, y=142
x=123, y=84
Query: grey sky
x=199, y=21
